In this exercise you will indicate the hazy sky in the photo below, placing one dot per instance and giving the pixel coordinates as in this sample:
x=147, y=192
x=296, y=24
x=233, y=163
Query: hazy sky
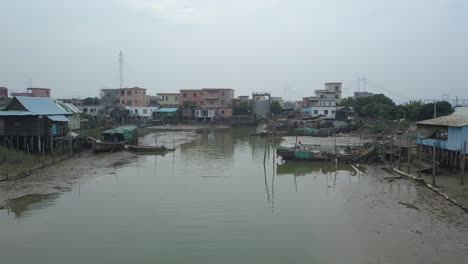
x=411, y=48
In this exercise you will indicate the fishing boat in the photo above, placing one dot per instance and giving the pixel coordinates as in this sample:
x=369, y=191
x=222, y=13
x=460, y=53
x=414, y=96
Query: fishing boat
x=115, y=139
x=308, y=153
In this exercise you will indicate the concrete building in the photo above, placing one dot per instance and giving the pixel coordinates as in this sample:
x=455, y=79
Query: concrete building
x=141, y=111
x=324, y=103
x=261, y=105
x=73, y=101
x=134, y=97
x=93, y=110
x=3, y=95
x=207, y=103
x=243, y=98
x=110, y=97
x=34, y=92
x=169, y=98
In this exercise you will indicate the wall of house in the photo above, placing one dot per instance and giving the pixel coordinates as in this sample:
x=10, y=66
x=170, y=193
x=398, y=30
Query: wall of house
x=169, y=99
x=456, y=136
x=195, y=96
x=75, y=122
x=314, y=111
x=141, y=111
x=133, y=97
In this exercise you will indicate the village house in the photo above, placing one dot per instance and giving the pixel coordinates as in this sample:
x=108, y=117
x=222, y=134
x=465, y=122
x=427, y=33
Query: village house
x=207, y=103
x=323, y=105
x=74, y=120
x=134, y=97
x=93, y=110
x=34, y=92
x=168, y=98
x=167, y=114
x=141, y=111
x=33, y=123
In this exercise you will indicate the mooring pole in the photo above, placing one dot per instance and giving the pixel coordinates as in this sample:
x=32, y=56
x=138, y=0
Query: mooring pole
x=420, y=159
x=433, y=163
x=409, y=157
x=400, y=153
x=462, y=169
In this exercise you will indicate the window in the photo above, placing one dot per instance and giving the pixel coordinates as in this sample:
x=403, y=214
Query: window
x=333, y=111
x=122, y=92
x=136, y=111
x=184, y=95
x=222, y=112
x=329, y=102
x=222, y=102
x=145, y=111
x=194, y=94
x=222, y=93
x=337, y=88
x=177, y=98
x=336, y=96
x=129, y=102
x=322, y=96
x=123, y=102
x=129, y=93
x=315, y=112
x=325, y=112
x=85, y=110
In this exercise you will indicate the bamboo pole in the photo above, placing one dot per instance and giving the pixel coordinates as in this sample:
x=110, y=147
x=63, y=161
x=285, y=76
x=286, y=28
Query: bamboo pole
x=420, y=159
x=462, y=168
x=433, y=164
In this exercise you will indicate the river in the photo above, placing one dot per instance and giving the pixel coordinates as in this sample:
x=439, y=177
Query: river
x=213, y=201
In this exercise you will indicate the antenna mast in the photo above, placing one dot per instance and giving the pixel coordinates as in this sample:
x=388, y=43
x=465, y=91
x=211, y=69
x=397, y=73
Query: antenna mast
x=121, y=60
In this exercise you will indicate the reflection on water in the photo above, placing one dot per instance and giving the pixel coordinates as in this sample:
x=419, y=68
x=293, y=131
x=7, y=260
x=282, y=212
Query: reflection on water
x=213, y=200
x=26, y=205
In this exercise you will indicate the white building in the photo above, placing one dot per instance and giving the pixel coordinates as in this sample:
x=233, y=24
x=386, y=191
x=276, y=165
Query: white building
x=93, y=110
x=141, y=111
x=324, y=103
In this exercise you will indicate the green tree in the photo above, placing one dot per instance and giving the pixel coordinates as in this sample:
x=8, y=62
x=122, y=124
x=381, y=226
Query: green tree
x=275, y=107
x=241, y=108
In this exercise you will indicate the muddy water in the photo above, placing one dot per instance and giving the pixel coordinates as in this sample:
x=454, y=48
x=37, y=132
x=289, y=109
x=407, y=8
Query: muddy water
x=213, y=201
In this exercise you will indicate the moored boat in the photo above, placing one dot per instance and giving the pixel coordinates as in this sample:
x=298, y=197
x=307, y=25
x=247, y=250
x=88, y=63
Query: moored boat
x=115, y=139
x=307, y=153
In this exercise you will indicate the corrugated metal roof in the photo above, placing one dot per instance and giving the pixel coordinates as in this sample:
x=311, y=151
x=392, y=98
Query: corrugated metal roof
x=166, y=110
x=70, y=108
x=58, y=118
x=16, y=113
x=41, y=105
x=457, y=119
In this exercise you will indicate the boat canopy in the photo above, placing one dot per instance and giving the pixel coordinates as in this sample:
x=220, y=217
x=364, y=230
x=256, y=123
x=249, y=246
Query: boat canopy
x=127, y=132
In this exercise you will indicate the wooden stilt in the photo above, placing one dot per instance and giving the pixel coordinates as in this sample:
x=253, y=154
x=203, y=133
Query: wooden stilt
x=433, y=163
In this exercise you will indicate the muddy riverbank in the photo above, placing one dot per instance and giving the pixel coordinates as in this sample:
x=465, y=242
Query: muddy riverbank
x=62, y=176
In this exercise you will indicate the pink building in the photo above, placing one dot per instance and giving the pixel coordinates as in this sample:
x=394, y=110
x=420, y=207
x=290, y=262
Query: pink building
x=134, y=97
x=207, y=103
x=3, y=95
x=34, y=92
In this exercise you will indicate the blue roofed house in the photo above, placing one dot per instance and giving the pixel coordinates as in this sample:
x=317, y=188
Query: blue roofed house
x=167, y=114
x=32, y=123
x=447, y=132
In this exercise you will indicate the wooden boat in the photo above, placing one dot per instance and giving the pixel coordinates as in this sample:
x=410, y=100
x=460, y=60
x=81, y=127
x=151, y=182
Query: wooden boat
x=115, y=139
x=308, y=154
x=100, y=146
x=155, y=149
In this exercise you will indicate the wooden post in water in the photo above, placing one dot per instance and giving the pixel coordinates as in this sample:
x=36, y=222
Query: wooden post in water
x=462, y=169
x=433, y=163
x=264, y=154
x=383, y=151
x=391, y=152
x=29, y=159
x=420, y=159
x=409, y=156
x=43, y=156
x=400, y=154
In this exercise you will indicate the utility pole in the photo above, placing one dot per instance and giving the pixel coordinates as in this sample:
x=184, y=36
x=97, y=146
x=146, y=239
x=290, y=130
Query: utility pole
x=435, y=109
x=121, y=60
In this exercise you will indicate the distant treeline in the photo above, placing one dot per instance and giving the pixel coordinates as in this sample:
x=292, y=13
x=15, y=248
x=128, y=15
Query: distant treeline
x=380, y=106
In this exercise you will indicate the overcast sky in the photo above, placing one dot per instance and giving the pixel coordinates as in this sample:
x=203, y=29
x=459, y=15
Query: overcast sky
x=408, y=49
